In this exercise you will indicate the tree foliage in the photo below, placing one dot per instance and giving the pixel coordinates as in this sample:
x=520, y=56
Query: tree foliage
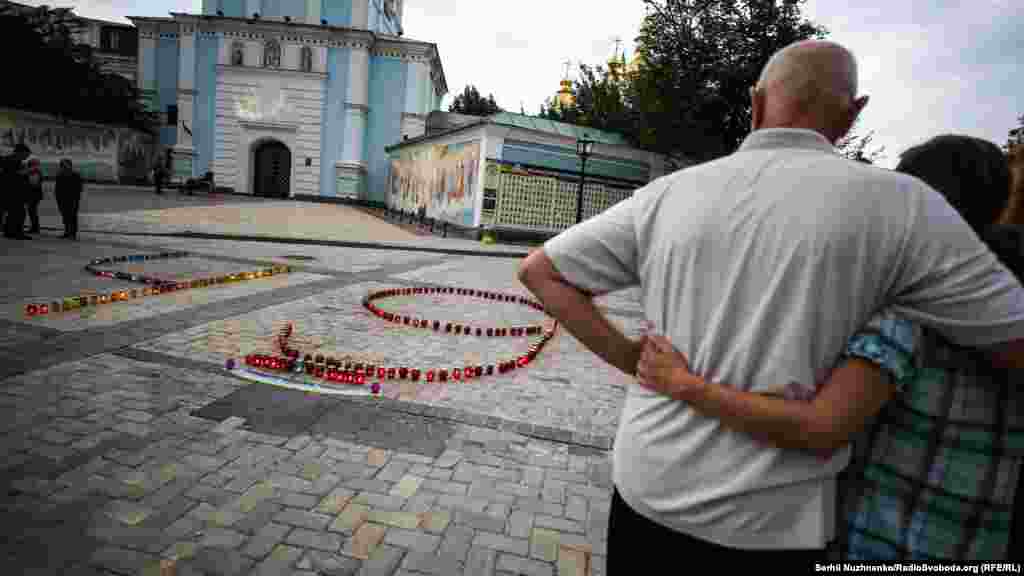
x=689, y=96
x=855, y=147
x=1015, y=136
x=50, y=73
x=701, y=58
x=472, y=103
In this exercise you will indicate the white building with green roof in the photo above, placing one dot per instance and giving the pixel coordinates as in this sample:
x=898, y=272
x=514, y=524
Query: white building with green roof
x=512, y=172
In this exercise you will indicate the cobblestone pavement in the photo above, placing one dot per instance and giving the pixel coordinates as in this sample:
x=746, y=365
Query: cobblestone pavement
x=105, y=457
x=127, y=446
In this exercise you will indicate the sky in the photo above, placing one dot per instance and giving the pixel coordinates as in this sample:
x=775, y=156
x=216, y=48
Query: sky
x=929, y=66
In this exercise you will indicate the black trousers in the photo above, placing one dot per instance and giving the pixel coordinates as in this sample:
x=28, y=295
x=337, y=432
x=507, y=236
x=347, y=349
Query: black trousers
x=32, y=207
x=14, y=223
x=635, y=541
x=69, y=214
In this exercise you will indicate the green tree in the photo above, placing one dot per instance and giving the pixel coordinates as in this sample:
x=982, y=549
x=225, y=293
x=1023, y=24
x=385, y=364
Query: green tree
x=1015, y=136
x=552, y=109
x=50, y=73
x=472, y=103
x=700, y=59
x=855, y=147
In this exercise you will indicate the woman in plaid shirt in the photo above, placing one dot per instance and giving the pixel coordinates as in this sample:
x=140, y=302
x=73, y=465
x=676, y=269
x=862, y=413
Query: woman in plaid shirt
x=936, y=471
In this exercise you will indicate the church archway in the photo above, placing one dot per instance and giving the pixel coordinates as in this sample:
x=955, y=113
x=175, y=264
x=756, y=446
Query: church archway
x=272, y=169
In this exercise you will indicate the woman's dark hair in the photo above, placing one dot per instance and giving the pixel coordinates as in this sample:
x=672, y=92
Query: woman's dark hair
x=974, y=177
x=973, y=174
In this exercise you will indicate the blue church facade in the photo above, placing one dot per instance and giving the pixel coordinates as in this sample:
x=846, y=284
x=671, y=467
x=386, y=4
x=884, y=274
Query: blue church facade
x=288, y=97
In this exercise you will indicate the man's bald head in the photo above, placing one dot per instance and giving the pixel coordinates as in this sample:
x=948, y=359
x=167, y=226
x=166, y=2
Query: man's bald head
x=809, y=84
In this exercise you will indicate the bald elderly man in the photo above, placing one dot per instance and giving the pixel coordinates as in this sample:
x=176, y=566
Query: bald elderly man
x=759, y=267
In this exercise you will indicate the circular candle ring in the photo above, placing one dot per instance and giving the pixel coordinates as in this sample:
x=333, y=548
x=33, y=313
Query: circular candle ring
x=331, y=369
x=515, y=331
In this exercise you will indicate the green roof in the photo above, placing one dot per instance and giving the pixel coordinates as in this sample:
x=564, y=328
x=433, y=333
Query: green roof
x=551, y=126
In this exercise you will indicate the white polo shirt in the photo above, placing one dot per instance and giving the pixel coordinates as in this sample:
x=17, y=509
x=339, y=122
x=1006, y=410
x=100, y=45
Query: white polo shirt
x=759, y=267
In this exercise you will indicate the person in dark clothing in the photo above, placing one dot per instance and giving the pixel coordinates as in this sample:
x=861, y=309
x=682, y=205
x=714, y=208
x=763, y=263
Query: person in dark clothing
x=34, y=194
x=69, y=195
x=15, y=186
x=1009, y=236
x=158, y=178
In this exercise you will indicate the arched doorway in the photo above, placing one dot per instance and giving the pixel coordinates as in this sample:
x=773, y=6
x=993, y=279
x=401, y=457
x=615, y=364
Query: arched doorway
x=272, y=169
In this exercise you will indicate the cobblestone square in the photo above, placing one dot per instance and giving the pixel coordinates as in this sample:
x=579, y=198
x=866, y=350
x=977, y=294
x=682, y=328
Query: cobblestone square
x=129, y=449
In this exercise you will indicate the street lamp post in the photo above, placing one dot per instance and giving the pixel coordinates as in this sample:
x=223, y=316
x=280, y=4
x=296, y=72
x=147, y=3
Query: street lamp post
x=584, y=147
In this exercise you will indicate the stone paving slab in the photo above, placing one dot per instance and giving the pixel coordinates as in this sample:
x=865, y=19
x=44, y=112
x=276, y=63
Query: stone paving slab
x=566, y=391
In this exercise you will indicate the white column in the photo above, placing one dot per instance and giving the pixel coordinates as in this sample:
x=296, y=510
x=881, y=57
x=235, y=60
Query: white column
x=360, y=14
x=184, y=149
x=481, y=179
x=356, y=104
x=413, y=118
x=147, y=54
x=313, y=12
x=414, y=80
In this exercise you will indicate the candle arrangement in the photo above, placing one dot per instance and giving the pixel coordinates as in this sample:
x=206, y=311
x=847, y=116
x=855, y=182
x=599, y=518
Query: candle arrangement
x=334, y=371
x=153, y=286
x=450, y=328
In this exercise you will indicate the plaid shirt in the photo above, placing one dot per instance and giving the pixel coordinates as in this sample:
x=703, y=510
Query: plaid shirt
x=934, y=476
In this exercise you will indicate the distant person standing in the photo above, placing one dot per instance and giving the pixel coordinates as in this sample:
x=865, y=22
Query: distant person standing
x=14, y=192
x=69, y=196
x=158, y=178
x=34, y=193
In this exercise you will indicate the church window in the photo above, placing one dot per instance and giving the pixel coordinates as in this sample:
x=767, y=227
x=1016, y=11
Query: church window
x=306, y=59
x=237, y=54
x=272, y=54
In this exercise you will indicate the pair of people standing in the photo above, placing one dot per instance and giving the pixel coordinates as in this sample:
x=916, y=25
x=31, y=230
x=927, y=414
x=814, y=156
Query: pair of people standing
x=23, y=192
x=756, y=271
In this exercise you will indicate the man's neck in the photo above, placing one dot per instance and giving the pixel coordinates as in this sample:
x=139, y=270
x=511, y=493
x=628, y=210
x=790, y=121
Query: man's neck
x=802, y=123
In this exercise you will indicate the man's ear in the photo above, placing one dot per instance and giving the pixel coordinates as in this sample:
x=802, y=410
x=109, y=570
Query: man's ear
x=858, y=106
x=756, y=108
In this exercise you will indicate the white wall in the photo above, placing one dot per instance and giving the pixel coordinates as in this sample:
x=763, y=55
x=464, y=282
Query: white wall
x=289, y=104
